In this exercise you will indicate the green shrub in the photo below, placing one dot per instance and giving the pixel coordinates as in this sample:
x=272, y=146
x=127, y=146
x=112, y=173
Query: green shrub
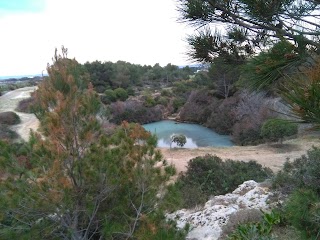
x=301, y=178
x=6, y=133
x=163, y=101
x=166, y=93
x=246, y=137
x=110, y=96
x=178, y=103
x=173, y=199
x=180, y=195
x=277, y=129
x=303, y=212
x=303, y=172
x=121, y=94
x=149, y=101
x=249, y=231
x=9, y=118
x=209, y=175
x=130, y=91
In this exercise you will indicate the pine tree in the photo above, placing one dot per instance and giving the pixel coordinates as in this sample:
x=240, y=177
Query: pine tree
x=72, y=181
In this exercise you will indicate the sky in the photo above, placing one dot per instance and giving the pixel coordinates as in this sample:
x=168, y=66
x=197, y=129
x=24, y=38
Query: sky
x=136, y=31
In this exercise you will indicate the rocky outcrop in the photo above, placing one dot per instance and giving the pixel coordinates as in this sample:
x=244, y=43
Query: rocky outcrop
x=207, y=223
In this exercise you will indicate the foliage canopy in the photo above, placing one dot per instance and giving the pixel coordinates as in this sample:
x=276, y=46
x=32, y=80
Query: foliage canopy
x=251, y=24
x=74, y=181
x=277, y=129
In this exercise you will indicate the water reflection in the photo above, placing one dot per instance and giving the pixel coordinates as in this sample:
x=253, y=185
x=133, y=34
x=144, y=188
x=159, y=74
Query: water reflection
x=197, y=135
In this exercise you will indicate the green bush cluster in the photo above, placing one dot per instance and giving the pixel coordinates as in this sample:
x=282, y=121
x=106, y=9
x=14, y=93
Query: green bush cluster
x=121, y=94
x=209, y=175
x=110, y=95
x=6, y=133
x=166, y=93
x=301, y=180
x=162, y=101
x=303, y=172
x=149, y=101
x=130, y=91
x=277, y=129
x=114, y=95
x=303, y=212
x=178, y=103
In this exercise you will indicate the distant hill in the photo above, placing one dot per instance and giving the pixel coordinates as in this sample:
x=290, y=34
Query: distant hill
x=196, y=65
x=4, y=78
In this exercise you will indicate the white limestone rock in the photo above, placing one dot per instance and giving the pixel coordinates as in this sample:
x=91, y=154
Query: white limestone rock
x=206, y=223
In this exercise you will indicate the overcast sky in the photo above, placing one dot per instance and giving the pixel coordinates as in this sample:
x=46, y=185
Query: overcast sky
x=136, y=31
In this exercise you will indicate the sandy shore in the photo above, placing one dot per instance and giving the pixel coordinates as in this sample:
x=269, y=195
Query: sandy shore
x=272, y=156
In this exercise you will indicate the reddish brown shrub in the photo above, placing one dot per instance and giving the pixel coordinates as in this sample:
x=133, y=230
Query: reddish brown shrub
x=25, y=105
x=252, y=110
x=222, y=117
x=198, y=107
x=135, y=111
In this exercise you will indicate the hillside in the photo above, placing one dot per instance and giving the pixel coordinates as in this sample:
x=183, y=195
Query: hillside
x=272, y=156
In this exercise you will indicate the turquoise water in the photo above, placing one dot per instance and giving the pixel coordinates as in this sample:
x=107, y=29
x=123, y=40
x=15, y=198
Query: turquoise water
x=197, y=135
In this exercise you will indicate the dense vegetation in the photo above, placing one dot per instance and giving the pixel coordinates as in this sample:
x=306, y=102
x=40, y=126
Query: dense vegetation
x=277, y=129
x=299, y=181
x=82, y=179
x=108, y=75
x=75, y=182
x=209, y=175
x=275, y=46
x=8, y=119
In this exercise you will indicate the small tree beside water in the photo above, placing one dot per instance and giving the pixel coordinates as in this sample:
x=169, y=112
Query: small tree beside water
x=179, y=139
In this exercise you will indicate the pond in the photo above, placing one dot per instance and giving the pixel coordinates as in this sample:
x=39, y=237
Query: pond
x=197, y=135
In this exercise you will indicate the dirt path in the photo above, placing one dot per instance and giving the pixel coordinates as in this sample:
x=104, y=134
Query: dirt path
x=9, y=101
x=271, y=156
